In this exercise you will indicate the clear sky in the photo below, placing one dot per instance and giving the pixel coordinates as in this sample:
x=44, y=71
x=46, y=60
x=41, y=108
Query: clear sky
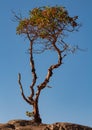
x=70, y=99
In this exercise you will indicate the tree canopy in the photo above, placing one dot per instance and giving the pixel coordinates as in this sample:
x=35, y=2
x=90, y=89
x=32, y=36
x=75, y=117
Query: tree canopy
x=48, y=23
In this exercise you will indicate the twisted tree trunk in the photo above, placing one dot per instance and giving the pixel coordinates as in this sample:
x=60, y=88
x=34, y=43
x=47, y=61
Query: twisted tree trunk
x=34, y=96
x=37, y=117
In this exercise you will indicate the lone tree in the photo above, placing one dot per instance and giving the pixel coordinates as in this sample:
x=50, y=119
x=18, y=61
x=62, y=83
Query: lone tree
x=49, y=26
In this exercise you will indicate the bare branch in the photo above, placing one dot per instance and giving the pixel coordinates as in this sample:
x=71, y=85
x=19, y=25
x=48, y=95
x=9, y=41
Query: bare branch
x=21, y=89
x=34, y=75
x=50, y=70
x=17, y=18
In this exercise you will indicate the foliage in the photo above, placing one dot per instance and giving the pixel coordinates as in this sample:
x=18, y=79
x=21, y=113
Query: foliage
x=30, y=114
x=47, y=22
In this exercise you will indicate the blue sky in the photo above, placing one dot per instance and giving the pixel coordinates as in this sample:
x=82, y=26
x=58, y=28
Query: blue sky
x=70, y=99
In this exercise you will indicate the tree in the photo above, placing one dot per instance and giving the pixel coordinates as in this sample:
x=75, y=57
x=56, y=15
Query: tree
x=49, y=25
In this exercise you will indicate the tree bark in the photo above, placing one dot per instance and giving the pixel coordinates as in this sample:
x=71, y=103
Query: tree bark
x=36, y=114
x=37, y=117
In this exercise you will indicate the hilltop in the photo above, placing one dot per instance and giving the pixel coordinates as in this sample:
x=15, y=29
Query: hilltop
x=30, y=125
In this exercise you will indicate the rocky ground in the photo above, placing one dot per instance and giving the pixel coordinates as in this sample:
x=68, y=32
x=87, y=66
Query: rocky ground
x=29, y=125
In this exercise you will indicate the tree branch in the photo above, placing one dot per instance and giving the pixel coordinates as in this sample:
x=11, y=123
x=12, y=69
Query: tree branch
x=21, y=88
x=50, y=70
x=34, y=75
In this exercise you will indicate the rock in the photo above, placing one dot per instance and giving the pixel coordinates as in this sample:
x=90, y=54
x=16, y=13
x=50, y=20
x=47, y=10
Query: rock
x=30, y=125
x=20, y=122
x=68, y=126
x=7, y=127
